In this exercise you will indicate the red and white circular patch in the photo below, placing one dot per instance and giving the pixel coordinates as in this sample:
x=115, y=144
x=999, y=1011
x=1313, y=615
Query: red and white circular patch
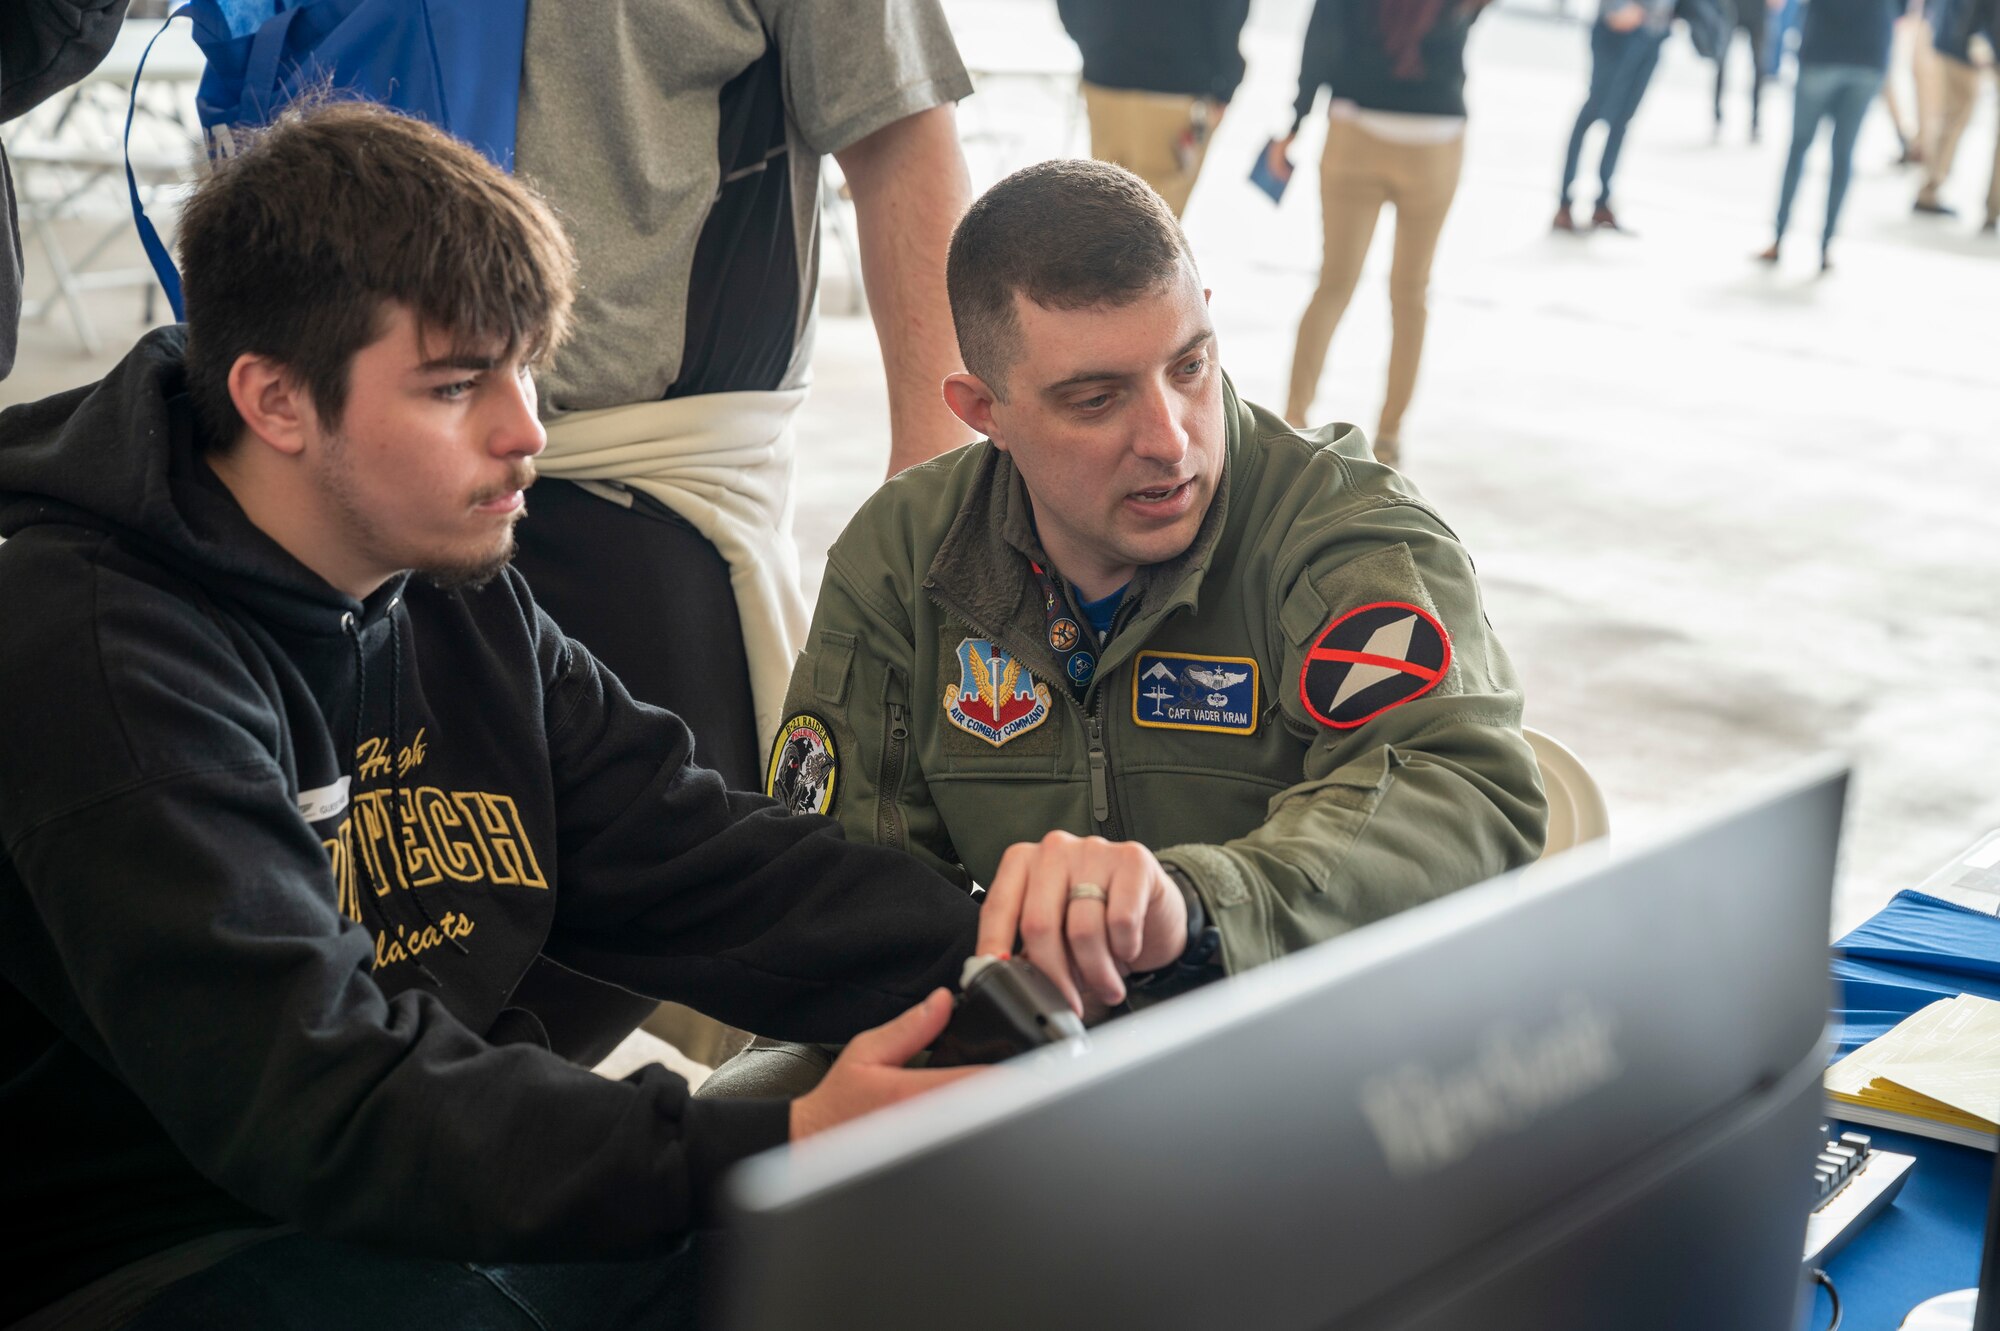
x=1370, y=660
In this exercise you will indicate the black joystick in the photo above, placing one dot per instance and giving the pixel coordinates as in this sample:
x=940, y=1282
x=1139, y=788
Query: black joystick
x=1005, y=1007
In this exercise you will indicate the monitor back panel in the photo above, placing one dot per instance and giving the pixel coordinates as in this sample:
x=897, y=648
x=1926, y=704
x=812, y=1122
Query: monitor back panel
x=1571, y=1097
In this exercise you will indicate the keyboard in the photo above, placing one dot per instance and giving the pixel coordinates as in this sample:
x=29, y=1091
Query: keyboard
x=1852, y=1182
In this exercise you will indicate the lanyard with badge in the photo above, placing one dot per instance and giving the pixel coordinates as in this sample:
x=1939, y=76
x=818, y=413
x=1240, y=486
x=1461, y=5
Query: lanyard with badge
x=1073, y=641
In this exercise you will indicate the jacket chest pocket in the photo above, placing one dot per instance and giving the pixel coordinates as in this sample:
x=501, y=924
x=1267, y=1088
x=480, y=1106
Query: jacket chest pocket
x=992, y=716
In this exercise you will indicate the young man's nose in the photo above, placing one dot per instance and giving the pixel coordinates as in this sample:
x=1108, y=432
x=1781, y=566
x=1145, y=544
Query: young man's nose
x=515, y=431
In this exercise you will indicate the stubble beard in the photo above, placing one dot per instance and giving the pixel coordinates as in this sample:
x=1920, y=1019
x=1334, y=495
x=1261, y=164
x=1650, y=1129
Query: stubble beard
x=470, y=575
x=447, y=572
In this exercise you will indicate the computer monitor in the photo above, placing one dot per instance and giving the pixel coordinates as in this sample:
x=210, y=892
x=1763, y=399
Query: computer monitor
x=1583, y=1095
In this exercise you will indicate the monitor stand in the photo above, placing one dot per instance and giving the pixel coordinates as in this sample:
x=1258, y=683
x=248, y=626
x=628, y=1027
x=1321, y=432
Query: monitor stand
x=1960, y=1311
x=1946, y=1312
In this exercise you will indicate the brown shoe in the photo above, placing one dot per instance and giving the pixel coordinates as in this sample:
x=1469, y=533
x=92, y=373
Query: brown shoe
x=1769, y=256
x=1603, y=219
x=1564, y=222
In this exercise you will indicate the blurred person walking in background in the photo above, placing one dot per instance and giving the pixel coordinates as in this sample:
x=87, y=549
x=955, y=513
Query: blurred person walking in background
x=1842, y=57
x=1157, y=76
x=1395, y=134
x=1624, y=51
x=1753, y=18
x=1911, y=54
x=1782, y=36
x=1961, y=27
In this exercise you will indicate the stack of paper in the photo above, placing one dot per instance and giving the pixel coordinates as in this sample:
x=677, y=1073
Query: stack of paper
x=1936, y=1074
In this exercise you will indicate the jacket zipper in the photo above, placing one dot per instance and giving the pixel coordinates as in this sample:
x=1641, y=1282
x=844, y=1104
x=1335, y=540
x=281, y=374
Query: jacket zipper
x=1100, y=763
x=888, y=812
x=1100, y=776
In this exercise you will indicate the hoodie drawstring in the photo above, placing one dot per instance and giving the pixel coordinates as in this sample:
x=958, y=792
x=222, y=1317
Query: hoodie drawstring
x=368, y=887
x=395, y=774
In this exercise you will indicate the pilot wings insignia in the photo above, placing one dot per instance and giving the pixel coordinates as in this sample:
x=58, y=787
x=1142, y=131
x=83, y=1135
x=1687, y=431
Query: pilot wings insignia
x=982, y=677
x=1216, y=694
x=994, y=698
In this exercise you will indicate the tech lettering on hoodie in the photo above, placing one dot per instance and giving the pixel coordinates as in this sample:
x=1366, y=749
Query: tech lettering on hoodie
x=410, y=837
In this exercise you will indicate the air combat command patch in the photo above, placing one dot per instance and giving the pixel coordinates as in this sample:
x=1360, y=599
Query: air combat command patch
x=995, y=697
x=1175, y=691
x=1372, y=659
x=804, y=765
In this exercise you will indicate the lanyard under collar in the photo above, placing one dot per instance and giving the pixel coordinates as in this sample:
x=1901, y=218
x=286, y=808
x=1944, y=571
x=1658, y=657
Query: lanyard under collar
x=1071, y=637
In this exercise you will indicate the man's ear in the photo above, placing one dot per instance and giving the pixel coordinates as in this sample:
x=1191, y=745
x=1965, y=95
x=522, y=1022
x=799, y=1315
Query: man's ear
x=275, y=408
x=972, y=402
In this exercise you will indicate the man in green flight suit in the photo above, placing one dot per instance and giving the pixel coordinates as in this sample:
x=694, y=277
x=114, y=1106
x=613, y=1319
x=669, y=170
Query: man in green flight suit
x=1187, y=689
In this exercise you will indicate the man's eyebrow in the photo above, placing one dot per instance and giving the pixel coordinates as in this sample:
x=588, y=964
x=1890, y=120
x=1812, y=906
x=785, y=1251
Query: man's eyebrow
x=459, y=360
x=1096, y=376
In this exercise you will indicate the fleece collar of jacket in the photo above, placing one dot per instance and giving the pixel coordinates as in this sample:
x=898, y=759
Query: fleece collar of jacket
x=979, y=568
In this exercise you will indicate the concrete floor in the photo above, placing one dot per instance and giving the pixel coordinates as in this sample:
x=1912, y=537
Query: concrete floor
x=1726, y=517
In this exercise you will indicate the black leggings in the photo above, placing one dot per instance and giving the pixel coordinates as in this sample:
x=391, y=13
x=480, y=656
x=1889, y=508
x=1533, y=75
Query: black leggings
x=650, y=598
x=1752, y=17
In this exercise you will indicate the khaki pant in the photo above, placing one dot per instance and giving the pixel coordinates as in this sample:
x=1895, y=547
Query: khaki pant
x=1914, y=50
x=1961, y=94
x=1159, y=137
x=1358, y=174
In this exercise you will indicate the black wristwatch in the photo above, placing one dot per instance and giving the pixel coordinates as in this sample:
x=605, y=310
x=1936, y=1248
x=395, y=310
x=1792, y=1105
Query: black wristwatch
x=1203, y=954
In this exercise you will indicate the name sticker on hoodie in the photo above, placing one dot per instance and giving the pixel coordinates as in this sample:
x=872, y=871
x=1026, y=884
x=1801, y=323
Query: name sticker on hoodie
x=323, y=803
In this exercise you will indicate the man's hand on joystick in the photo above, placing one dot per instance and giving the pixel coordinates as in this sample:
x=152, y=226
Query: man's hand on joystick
x=1088, y=913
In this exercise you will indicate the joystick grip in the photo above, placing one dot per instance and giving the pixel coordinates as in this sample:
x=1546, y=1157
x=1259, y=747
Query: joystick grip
x=1004, y=1008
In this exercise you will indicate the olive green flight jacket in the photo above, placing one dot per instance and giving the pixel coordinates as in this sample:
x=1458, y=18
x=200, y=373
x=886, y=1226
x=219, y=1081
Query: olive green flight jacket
x=1291, y=829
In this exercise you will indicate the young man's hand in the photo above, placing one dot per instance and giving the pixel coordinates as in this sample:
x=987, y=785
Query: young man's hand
x=869, y=1074
x=1088, y=911
x=1625, y=18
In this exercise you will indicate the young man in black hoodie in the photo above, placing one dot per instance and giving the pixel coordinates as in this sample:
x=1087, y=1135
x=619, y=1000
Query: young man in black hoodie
x=298, y=783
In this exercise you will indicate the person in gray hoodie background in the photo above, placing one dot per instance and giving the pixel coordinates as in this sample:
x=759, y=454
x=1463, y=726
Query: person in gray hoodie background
x=45, y=46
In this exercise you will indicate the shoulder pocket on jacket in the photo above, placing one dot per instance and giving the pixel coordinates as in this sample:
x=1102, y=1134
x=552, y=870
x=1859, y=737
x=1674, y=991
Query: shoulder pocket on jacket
x=832, y=664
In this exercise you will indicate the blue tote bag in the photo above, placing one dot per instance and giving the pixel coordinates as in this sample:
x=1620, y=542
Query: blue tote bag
x=454, y=63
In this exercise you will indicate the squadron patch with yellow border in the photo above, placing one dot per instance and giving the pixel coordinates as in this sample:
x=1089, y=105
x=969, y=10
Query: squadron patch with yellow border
x=804, y=765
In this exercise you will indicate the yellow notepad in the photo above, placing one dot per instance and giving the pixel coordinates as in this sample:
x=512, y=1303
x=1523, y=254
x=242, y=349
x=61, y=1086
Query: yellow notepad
x=1940, y=1066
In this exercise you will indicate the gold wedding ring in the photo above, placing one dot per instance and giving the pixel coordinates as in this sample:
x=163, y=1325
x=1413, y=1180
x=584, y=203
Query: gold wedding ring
x=1087, y=892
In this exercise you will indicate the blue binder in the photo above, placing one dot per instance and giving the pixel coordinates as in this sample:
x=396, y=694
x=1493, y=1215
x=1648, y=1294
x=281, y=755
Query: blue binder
x=1914, y=951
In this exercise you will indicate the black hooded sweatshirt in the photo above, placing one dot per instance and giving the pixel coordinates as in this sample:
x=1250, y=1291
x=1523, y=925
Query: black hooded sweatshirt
x=275, y=860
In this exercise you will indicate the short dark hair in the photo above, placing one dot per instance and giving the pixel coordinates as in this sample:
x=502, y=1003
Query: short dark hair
x=1068, y=234
x=294, y=248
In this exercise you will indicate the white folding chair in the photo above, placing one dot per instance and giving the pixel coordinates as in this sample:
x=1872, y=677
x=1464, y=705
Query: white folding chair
x=1576, y=806
x=61, y=175
x=69, y=168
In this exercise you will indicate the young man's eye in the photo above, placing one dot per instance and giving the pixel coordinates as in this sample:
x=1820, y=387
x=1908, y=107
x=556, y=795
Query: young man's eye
x=1092, y=403
x=1195, y=366
x=452, y=392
